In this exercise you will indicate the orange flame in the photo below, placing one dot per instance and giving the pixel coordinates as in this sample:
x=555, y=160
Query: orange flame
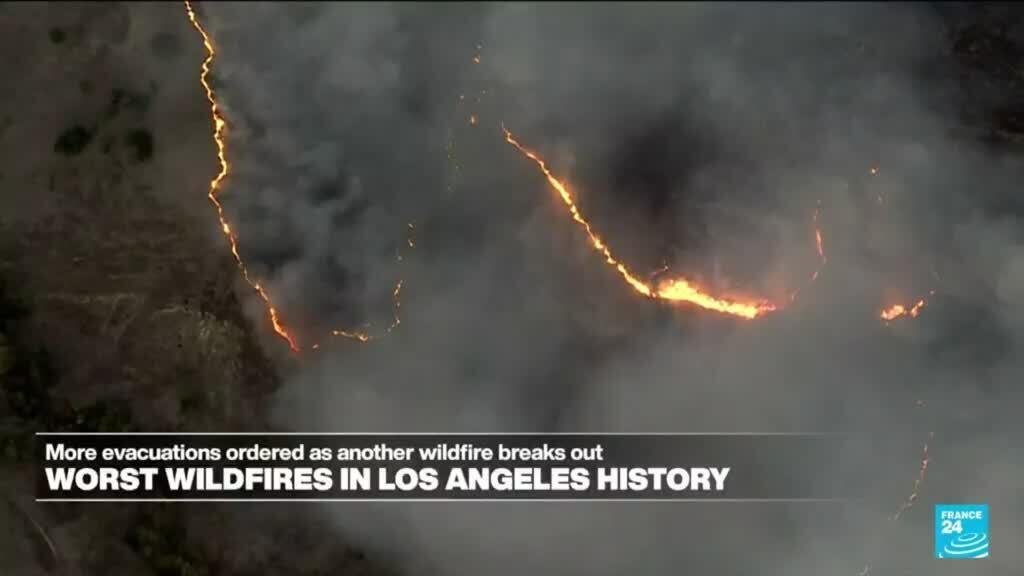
x=219, y=127
x=900, y=310
x=366, y=336
x=915, y=492
x=918, y=482
x=819, y=242
x=672, y=289
x=819, y=245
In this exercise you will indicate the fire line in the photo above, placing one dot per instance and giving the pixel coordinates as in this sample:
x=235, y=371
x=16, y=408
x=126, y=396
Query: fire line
x=922, y=473
x=220, y=125
x=680, y=289
x=676, y=289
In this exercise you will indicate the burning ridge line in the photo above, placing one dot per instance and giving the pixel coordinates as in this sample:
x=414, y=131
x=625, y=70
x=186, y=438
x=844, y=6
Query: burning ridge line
x=675, y=289
x=216, y=184
x=915, y=491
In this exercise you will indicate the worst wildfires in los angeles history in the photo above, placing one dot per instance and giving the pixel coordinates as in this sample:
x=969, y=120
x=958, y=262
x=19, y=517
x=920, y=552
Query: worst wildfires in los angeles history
x=481, y=217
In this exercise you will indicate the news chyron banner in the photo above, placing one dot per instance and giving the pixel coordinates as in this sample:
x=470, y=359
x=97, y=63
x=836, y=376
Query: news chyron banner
x=340, y=467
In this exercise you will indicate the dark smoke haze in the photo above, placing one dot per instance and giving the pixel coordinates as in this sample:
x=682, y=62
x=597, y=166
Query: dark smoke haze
x=701, y=136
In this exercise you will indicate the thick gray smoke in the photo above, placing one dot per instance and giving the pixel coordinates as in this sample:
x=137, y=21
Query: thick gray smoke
x=701, y=136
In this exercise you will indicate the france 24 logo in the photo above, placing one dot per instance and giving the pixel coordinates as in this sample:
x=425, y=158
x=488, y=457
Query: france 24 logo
x=961, y=531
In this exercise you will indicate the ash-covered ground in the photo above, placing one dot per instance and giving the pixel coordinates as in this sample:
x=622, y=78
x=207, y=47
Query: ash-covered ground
x=697, y=136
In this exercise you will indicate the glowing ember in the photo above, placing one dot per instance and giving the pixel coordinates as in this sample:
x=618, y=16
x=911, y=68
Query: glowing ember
x=900, y=310
x=819, y=243
x=918, y=482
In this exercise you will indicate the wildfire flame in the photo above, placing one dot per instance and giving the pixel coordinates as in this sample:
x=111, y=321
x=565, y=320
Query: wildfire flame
x=921, y=474
x=671, y=290
x=912, y=498
x=395, y=321
x=900, y=310
x=818, y=242
x=819, y=245
x=220, y=125
x=680, y=289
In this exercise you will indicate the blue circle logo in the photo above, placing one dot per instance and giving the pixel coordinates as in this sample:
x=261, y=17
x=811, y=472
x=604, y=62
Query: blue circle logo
x=966, y=546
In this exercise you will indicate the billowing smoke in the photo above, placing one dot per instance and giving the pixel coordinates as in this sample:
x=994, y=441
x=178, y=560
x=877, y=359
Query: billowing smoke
x=701, y=137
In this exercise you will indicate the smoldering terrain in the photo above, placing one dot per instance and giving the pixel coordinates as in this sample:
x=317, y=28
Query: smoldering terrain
x=701, y=137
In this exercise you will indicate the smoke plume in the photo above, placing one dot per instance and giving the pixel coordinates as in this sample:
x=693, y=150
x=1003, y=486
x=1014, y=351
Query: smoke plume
x=698, y=136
